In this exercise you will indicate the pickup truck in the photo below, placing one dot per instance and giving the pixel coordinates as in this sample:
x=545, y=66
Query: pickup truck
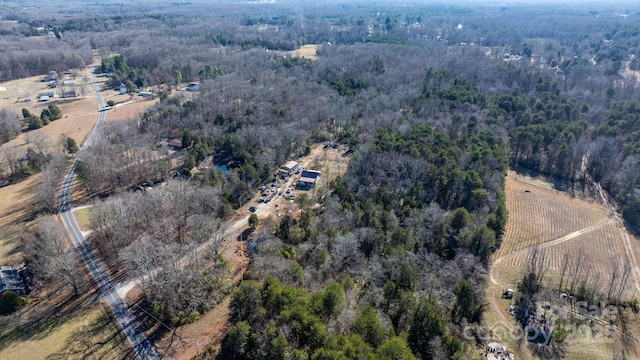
x=270, y=196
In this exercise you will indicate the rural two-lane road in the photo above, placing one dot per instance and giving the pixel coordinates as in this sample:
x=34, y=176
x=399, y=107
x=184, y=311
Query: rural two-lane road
x=136, y=337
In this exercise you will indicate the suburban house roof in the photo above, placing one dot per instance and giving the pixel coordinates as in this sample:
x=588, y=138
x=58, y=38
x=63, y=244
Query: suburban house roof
x=10, y=280
x=289, y=165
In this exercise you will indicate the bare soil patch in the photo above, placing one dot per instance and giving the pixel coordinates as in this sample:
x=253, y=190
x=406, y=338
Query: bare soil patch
x=538, y=214
x=192, y=339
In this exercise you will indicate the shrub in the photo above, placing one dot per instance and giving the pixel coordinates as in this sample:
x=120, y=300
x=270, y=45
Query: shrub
x=11, y=302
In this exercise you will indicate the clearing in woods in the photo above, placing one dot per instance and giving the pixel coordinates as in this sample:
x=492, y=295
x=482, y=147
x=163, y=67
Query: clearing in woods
x=307, y=51
x=188, y=340
x=558, y=224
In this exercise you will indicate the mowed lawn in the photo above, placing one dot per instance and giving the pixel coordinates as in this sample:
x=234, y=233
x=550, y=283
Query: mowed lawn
x=82, y=217
x=82, y=334
x=15, y=216
x=17, y=200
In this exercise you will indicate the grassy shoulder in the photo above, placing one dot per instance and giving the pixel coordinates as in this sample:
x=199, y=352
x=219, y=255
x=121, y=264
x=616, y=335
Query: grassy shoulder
x=83, y=219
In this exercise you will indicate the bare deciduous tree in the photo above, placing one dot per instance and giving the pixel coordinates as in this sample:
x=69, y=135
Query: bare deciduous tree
x=51, y=254
x=10, y=125
x=41, y=141
x=47, y=189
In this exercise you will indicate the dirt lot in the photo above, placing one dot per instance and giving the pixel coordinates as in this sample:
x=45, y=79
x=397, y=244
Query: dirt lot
x=331, y=162
x=559, y=224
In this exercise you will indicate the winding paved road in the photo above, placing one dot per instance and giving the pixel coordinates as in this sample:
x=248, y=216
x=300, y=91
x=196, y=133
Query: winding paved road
x=136, y=337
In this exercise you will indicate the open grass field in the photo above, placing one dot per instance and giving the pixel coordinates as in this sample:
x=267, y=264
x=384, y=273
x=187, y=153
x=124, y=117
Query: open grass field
x=130, y=109
x=558, y=224
x=307, y=51
x=84, y=330
x=86, y=333
x=79, y=113
x=15, y=215
x=79, y=117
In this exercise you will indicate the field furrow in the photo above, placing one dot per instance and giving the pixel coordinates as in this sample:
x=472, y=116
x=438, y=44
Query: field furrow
x=538, y=215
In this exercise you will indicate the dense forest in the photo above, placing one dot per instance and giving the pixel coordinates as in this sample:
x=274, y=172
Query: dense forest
x=435, y=103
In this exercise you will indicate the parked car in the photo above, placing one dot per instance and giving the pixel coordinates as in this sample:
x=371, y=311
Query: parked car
x=252, y=208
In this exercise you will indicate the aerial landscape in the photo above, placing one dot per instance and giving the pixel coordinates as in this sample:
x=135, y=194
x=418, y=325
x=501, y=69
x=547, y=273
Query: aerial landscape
x=287, y=179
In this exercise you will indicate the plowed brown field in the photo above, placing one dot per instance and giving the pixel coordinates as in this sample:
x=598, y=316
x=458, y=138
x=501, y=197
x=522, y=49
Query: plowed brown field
x=558, y=224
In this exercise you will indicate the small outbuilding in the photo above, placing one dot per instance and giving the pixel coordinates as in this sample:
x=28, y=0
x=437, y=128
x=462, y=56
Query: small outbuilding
x=289, y=166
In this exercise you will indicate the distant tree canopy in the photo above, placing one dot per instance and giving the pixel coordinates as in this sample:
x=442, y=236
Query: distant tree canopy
x=389, y=259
